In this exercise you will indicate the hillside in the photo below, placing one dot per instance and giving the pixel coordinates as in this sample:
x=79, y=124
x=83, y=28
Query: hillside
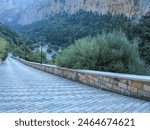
x=9, y=35
x=62, y=29
x=11, y=11
x=9, y=39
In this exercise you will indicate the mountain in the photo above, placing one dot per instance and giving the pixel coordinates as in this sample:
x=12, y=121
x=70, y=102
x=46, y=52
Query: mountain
x=24, y=12
x=10, y=36
x=12, y=10
x=8, y=41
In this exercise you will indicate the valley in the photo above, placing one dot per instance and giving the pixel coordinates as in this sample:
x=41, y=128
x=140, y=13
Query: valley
x=75, y=56
x=57, y=25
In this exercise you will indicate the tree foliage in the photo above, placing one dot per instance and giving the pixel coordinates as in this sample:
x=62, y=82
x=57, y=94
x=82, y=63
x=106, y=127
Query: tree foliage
x=142, y=32
x=62, y=29
x=106, y=52
x=26, y=53
x=3, y=48
x=10, y=41
x=11, y=36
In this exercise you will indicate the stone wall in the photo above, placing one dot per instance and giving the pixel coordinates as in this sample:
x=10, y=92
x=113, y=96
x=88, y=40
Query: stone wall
x=130, y=85
x=0, y=61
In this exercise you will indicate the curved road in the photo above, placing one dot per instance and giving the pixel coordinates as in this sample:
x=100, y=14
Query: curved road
x=24, y=89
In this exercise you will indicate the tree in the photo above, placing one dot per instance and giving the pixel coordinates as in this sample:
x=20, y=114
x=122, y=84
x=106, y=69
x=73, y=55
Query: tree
x=3, y=49
x=142, y=32
x=106, y=52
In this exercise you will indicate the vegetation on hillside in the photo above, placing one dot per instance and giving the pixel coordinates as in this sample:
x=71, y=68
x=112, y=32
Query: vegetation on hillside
x=10, y=41
x=142, y=32
x=26, y=53
x=90, y=47
x=106, y=52
x=62, y=30
x=11, y=36
x=3, y=48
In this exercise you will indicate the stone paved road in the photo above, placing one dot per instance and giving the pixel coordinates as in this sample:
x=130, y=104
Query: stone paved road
x=24, y=89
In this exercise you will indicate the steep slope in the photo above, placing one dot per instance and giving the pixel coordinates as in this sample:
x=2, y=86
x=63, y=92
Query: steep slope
x=34, y=10
x=9, y=35
x=12, y=10
x=43, y=8
x=8, y=41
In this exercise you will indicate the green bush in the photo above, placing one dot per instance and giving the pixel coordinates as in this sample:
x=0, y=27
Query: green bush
x=106, y=52
x=61, y=30
x=26, y=53
x=3, y=48
x=36, y=57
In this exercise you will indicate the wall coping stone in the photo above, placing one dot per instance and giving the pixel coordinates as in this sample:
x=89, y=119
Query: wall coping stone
x=117, y=75
x=128, y=84
x=1, y=61
x=102, y=73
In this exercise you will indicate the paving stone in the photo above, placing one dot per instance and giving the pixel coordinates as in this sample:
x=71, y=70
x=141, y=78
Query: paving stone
x=24, y=89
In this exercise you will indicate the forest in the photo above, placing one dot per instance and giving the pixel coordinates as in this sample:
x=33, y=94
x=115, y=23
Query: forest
x=62, y=30
x=3, y=49
x=73, y=36
x=10, y=41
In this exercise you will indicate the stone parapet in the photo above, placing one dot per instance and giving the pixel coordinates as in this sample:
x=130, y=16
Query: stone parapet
x=126, y=84
x=0, y=61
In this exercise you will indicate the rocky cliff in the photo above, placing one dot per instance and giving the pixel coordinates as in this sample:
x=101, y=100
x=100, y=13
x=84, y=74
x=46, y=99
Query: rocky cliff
x=12, y=10
x=35, y=10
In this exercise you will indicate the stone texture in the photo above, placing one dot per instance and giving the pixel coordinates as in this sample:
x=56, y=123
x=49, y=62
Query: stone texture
x=130, y=82
x=132, y=89
x=122, y=85
x=106, y=79
x=146, y=88
x=102, y=82
x=24, y=89
x=116, y=88
x=90, y=76
x=0, y=61
x=35, y=10
x=97, y=85
x=109, y=85
x=134, y=94
x=124, y=81
x=126, y=92
x=95, y=79
x=100, y=77
x=136, y=84
x=143, y=93
x=114, y=82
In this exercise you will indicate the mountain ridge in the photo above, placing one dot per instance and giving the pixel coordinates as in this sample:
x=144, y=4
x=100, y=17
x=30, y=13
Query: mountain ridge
x=36, y=10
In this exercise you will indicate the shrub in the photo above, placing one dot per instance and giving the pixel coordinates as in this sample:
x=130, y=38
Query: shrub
x=106, y=52
x=26, y=53
x=36, y=57
x=3, y=48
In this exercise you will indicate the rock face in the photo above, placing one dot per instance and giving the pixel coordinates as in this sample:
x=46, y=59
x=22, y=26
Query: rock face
x=28, y=11
x=12, y=10
x=0, y=61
